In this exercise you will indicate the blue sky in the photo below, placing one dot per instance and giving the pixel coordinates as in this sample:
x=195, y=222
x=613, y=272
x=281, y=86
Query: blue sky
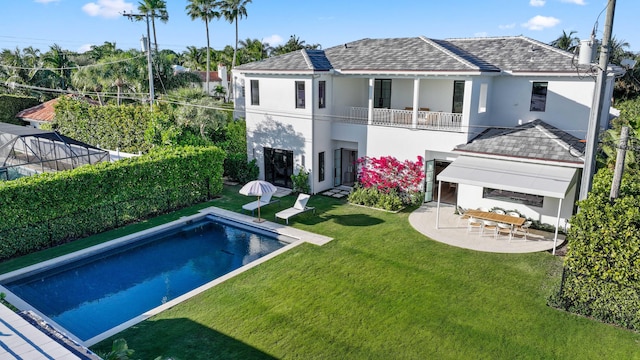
x=77, y=24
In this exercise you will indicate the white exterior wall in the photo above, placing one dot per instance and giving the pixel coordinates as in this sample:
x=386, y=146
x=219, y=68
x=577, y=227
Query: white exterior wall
x=567, y=108
x=406, y=144
x=322, y=135
x=276, y=123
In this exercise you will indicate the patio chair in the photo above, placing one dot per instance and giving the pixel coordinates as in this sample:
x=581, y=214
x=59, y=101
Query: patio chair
x=461, y=214
x=513, y=213
x=299, y=207
x=491, y=226
x=474, y=223
x=264, y=201
x=505, y=229
x=483, y=209
x=522, y=230
x=498, y=211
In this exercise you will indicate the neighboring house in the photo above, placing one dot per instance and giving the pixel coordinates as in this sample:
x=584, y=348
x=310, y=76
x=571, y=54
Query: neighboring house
x=44, y=113
x=498, y=120
x=216, y=78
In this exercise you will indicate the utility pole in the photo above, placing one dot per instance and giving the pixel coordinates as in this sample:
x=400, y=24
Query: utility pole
x=596, y=107
x=617, y=173
x=146, y=46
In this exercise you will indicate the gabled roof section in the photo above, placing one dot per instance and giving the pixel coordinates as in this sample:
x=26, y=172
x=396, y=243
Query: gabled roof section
x=515, y=54
x=535, y=140
x=419, y=54
x=45, y=112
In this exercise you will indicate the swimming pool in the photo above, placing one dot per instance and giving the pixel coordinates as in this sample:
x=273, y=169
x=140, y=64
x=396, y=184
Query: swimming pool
x=110, y=287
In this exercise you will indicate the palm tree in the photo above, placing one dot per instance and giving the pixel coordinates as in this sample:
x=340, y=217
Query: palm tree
x=58, y=59
x=193, y=58
x=566, y=42
x=154, y=8
x=293, y=44
x=254, y=49
x=233, y=10
x=205, y=10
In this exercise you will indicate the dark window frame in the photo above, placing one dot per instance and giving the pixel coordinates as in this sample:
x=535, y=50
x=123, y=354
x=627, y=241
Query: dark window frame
x=457, y=105
x=255, y=92
x=539, y=91
x=322, y=94
x=513, y=197
x=321, y=166
x=300, y=94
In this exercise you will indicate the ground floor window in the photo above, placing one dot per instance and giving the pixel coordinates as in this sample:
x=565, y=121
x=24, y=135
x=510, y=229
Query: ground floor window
x=278, y=167
x=321, y=166
x=513, y=197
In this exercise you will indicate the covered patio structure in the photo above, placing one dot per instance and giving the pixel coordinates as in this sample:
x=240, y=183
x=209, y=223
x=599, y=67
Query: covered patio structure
x=524, y=178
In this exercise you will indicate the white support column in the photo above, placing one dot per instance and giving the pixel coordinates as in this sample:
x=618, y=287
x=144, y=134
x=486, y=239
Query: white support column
x=416, y=102
x=438, y=206
x=555, y=238
x=372, y=82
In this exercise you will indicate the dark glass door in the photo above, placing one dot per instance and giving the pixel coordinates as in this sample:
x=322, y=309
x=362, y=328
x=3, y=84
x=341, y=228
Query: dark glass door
x=382, y=93
x=278, y=167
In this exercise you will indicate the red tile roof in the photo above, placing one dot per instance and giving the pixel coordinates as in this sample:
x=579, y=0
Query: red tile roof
x=213, y=75
x=45, y=111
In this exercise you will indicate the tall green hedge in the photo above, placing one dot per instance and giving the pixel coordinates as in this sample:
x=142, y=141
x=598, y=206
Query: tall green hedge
x=10, y=105
x=110, y=126
x=44, y=210
x=602, y=266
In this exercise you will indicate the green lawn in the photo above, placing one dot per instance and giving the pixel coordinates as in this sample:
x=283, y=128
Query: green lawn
x=379, y=290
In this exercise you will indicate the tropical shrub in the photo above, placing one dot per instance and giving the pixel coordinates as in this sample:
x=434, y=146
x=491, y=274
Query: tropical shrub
x=389, y=175
x=52, y=208
x=602, y=266
x=372, y=197
x=301, y=181
x=237, y=168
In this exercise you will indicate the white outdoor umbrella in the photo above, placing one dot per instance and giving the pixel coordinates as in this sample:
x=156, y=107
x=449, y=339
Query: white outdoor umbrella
x=258, y=188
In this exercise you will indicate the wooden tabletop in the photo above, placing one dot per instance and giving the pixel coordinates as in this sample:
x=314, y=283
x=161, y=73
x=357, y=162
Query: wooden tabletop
x=506, y=219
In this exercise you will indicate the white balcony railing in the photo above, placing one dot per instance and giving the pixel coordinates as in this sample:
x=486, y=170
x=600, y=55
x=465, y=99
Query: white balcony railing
x=430, y=120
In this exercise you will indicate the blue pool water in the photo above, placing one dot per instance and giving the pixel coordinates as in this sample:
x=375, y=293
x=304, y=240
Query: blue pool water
x=92, y=295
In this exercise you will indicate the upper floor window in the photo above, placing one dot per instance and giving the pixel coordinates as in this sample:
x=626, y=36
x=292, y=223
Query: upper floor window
x=255, y=92
x=539, y=96
x=458, y=96
x=322, y=95
x=300, y=94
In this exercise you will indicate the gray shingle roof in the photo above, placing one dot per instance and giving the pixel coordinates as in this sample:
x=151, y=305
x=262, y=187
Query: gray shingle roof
x=516, y=54
x=535, y=140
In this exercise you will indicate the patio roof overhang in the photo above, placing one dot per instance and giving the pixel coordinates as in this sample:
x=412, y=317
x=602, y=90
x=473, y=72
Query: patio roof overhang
x=528, y=178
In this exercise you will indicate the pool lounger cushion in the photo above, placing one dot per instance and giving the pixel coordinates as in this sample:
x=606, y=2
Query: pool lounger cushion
x=299, y=207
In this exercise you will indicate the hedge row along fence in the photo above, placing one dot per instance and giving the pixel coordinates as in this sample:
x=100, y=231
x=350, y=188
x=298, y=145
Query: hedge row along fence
x=49, y=209
x=602, y=267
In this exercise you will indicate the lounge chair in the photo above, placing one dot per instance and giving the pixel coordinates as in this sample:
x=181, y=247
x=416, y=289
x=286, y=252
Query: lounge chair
x=298, y=208
x=264, y=201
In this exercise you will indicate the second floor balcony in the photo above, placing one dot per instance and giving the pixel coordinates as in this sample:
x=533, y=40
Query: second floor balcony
x=425, y=120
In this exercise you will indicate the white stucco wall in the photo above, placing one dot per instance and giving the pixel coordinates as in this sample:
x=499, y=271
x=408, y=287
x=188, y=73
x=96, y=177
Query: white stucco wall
x=567, y=108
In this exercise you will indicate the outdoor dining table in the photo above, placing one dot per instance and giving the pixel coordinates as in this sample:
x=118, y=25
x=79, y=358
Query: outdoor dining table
x=501, y=218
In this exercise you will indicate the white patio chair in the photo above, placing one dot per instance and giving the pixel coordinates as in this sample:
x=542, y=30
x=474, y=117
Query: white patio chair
x=513, y=213
x=473, y=223
x=461, y=214
x=498, y=211
x=505, y=229
x=483, y=209
x=264, y=201
x=299, y=207
x=522, y=230
x=491, y=226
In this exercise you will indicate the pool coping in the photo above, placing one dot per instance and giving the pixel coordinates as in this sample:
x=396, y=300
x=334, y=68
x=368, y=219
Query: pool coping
x=299, y=236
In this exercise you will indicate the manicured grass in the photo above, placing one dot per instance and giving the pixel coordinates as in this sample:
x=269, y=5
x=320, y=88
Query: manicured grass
x=379, y=290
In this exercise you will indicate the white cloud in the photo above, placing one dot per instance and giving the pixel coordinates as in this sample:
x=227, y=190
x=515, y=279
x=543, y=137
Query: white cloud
x=481, y=34
x=46, y=1
x=84, y=48
x=107, y=8
x=577, y=2
x=541, y=22
x=273, y=40
x=507, y=26
x=538, y=3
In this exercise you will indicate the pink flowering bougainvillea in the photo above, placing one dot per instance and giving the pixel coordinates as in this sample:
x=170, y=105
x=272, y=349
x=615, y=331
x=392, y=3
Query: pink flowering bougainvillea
x=388, y=173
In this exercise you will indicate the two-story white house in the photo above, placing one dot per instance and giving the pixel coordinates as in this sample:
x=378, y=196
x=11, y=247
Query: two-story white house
x=497, y=120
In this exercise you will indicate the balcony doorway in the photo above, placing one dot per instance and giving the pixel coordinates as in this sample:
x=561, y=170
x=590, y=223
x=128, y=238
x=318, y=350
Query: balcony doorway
x=344, y=167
